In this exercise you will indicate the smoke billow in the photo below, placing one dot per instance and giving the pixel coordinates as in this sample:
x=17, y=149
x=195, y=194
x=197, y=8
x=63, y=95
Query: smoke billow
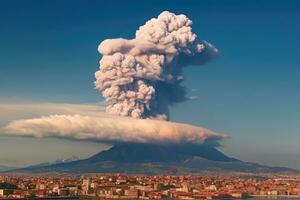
x=141, y=77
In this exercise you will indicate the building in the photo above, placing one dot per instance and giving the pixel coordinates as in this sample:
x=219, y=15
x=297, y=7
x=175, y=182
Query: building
x=5, y=192
x=131, y=193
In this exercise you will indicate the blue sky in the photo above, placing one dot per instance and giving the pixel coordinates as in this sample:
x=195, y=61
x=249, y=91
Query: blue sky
x=250, y=91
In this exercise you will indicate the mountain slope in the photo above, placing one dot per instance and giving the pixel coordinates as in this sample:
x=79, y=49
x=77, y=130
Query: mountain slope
x=5, y=168
x=155, y=159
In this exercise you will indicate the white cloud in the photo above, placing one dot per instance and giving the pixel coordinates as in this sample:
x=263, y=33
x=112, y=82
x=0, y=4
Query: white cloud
x=90, y=122
x=110, y=129
x=21, y=110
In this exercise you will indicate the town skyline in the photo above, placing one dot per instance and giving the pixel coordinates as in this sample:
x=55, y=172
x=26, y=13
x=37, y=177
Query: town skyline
x=124, y=186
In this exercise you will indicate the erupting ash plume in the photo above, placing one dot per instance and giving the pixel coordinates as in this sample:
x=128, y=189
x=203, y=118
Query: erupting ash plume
x=141, y=77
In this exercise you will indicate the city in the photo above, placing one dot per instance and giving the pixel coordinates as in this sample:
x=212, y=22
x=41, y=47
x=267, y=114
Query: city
x=181, y=99
x=122, y=186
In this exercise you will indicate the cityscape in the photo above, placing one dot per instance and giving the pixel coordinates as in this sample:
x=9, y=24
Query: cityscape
x=122, y=186
x=157, y=99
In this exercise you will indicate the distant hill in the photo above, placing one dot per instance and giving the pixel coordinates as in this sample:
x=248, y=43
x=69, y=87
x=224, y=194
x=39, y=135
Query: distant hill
x=5, y=168
x=59, y=161
x=155, y=159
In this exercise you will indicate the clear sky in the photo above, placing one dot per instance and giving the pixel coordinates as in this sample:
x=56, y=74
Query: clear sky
x=250, y=91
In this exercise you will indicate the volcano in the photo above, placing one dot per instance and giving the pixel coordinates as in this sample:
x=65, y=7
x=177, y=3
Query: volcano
x=134, y=158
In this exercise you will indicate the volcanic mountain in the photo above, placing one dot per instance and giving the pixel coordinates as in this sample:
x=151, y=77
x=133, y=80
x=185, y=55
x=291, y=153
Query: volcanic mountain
x=134, y=158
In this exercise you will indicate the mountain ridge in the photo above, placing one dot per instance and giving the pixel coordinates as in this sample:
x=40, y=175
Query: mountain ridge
x=5, y=168
x=134, y=158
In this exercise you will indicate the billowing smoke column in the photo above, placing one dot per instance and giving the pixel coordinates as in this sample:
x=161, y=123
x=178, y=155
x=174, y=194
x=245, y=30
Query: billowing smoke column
x=141, y=78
